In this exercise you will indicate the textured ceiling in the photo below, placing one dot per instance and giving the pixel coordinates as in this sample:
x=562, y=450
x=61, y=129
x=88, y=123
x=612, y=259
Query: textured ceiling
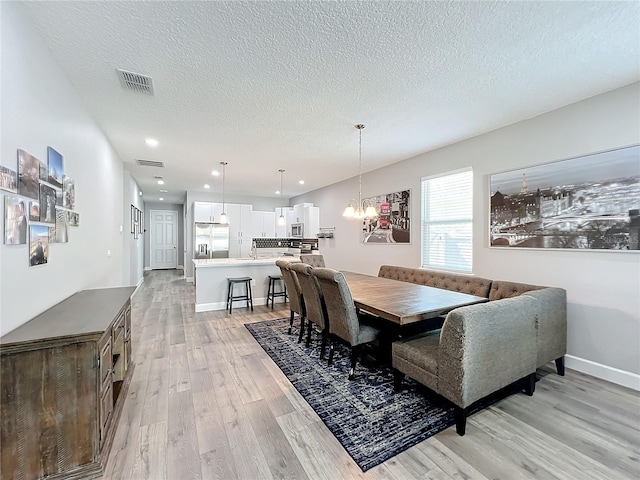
x=270, y=85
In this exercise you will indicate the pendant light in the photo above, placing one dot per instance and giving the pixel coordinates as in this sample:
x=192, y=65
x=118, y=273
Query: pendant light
x=223, y=216
x=281, y=219
x=359, y=211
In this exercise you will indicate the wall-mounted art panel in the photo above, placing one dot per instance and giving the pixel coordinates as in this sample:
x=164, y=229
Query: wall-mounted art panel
x=588, y=202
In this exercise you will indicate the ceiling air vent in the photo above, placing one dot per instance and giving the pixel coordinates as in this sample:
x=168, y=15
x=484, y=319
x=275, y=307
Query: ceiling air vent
x=135, y=81
x=149, y=163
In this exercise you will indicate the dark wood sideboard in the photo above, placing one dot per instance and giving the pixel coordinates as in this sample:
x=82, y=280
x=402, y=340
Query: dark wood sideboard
x=63, y=382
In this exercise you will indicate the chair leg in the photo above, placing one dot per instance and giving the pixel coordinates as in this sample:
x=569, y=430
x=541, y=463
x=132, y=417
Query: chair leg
x=291, y=321
x=250, y=294
x=301, y=328
x=230, y=297
x=460, y=415
x=354, y=360
x=331, y=348
x=398, y=376
x=560, y=366
x=309, y=329
x=530, y=384
x=323, y=347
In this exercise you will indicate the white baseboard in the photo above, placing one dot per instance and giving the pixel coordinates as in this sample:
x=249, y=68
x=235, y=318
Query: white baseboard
x=140, y=282
x=147, y=269
x=189, y=279
x=610, y=374
x=180, y=267
x=208, y=307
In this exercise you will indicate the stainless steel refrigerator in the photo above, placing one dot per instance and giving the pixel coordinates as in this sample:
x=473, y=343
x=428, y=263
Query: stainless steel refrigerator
x=211, y=240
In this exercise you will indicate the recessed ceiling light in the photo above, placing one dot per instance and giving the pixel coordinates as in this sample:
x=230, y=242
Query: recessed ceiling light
x=301, y=182
x=206, y=185
x=140, y=193
x=151, y=142
x=160, y=182
x=161, y=199
x=164, y=191
x=215, y=173
x=277, y=192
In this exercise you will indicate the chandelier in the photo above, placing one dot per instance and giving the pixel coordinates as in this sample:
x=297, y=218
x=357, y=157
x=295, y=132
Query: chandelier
x=360, y=210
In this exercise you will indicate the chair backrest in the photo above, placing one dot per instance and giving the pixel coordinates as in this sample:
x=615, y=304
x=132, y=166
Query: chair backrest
x=293, y=287
x=313, y=301
x=313, y=260
x=341, y=311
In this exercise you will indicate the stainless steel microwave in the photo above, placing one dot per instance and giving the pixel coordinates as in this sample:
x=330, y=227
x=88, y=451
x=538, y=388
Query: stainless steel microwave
x=297, y=230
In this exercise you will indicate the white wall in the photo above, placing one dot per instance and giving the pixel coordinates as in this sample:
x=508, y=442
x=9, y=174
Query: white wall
x=603, y=288
x=40, y=108
x=133, y=255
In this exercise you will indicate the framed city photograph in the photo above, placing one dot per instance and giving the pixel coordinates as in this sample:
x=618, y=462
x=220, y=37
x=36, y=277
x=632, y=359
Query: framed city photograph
x=15, y=221
x=56, y=167
x=47, y=204
x=62, y=235
x=589, y=202
x=392, y=225
x=8, y=179
x=69, y=193
x=28, y=175
x=73, y=219
x=52, y=234
x=34, y=211
x=38, y=245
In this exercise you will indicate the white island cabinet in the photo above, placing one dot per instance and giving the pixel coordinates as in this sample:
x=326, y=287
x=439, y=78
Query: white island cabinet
x=211, y=279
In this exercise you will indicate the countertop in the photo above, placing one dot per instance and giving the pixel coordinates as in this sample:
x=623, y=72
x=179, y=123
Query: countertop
x=238, y=262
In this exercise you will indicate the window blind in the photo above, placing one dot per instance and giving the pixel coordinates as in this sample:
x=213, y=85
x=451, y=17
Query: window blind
x=447, y=221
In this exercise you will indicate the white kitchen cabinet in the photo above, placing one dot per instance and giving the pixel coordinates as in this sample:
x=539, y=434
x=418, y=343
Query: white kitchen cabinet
x=264, y=224
x=306, y=214
x=311, y=221
x=239, y=247
x=206, y=212
x=240, y=220
x=281, y=230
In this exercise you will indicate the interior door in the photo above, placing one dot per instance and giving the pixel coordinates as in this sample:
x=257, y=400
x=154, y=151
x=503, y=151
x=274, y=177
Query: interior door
x=164, y=239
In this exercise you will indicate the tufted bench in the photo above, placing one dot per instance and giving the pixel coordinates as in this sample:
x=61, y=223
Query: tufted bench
x=551, y=324
x=448, y=281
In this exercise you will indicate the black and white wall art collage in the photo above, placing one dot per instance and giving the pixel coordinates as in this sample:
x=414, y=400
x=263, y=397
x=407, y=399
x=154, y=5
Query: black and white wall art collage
x=40, y=204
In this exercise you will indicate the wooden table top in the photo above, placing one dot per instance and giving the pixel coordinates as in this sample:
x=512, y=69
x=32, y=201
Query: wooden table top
x=404, y=302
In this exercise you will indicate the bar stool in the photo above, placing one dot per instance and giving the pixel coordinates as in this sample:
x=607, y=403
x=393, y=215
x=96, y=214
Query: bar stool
x=271, y=291
x=248, y=297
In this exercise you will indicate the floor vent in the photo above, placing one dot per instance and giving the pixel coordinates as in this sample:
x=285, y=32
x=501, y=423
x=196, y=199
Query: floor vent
x=149, y=163
x=135, y=81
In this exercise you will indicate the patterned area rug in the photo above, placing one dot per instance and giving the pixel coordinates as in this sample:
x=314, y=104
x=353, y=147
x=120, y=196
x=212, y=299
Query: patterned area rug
x=371, y=422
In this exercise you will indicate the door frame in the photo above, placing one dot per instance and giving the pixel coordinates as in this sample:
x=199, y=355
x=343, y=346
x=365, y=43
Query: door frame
x=151, y=246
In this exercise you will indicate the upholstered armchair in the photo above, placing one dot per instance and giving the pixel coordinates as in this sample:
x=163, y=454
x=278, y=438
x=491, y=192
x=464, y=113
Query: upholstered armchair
x=313, y=260
x=480, y=349
x=296, y=302
x=315, y=308
x=344, y=321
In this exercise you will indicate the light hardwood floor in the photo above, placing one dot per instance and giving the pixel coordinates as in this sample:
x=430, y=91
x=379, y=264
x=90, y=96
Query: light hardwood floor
x=206, y=402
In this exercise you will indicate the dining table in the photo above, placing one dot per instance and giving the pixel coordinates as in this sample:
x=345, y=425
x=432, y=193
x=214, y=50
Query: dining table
x=404, y=303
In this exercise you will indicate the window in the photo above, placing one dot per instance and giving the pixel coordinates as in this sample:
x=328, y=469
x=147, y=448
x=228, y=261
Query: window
x=447, y=221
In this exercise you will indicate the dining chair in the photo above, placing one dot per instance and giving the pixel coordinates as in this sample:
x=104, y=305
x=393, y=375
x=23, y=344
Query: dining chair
x=313, y=260
x=316, y=312
x=345, y=322
x=296, y=302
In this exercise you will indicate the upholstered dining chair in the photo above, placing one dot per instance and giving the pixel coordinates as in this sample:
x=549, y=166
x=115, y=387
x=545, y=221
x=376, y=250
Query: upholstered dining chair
x=345, y=322
x=313, y=260
x=296, y=302
x=316, y=312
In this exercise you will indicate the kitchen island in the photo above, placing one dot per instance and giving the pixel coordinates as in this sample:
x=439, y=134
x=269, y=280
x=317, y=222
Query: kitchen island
x=211, y=279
